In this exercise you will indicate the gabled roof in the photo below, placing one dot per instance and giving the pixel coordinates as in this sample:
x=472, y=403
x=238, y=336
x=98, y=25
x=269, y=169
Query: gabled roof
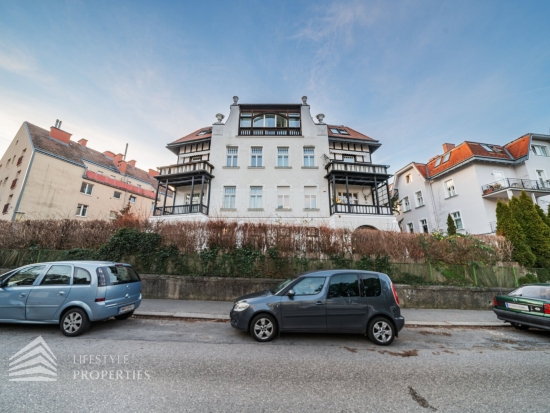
x=193, y=136
x=352, y=133
x=520, y=147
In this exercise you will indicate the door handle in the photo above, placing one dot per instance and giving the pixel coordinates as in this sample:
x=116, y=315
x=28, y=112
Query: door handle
x=320, y=303
x=61, y=293
x=22, y=295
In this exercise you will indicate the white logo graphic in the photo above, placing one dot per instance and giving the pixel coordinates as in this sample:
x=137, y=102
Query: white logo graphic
x=34, y=362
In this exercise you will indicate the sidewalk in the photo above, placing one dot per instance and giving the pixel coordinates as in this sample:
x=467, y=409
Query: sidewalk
x=219, y=310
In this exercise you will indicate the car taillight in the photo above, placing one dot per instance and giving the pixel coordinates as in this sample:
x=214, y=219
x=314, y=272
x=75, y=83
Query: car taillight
x=546, y=308
x=101, y=278
x=495, y=302
x=395, y=294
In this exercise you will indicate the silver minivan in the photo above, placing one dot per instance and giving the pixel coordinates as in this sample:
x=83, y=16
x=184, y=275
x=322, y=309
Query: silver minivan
x=69, y=293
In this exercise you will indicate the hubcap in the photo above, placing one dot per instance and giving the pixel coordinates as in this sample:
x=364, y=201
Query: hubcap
x=263, y=328
x=72, y=322
x=382, y=331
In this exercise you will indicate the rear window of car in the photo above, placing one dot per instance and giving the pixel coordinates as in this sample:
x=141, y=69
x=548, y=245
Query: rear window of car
x=532, y=291
x=121, y=274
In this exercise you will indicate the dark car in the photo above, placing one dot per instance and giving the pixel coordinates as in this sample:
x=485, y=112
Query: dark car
x=335, y=301
x=528, y=306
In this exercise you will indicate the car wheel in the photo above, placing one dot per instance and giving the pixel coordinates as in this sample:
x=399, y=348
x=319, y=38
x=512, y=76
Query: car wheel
x=381, y=331
x=74, y=322
x=520, y=326
x=263, y=328
x=124, y=316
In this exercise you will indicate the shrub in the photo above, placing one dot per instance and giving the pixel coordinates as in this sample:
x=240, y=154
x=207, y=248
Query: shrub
x=508, y=227
x=451, y=227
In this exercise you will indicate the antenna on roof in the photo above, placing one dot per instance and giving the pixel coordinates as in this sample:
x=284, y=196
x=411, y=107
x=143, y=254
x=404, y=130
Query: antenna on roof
x=59, y=125
x=125, y=152
x=56, y=123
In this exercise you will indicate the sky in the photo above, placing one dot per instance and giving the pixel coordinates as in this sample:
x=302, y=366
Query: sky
x=411, y=74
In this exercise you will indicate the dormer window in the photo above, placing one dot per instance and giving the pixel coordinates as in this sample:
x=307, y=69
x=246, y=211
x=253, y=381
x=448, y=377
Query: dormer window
x=486, y=147
x=204, y=132
x=339, y=131
x=437, y=162
x=274, y=121
x=446, y=157
x=270, y=121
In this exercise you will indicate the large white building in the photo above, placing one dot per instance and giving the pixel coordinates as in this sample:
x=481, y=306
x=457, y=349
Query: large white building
x=274, y=162
x=466, y=182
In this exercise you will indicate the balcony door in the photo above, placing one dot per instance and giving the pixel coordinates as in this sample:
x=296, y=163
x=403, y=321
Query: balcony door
x=541, y=175
x=499, y=178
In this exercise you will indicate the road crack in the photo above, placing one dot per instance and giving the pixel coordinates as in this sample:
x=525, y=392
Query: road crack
x=420, y=400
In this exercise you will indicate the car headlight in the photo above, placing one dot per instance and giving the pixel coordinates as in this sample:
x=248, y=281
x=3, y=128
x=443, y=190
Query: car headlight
x=241, y=306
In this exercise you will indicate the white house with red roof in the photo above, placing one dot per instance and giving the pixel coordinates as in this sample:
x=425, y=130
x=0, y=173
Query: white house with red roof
x=467, y=180
x=274, y=162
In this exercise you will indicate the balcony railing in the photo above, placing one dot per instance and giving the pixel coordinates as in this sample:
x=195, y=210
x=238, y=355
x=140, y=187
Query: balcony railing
x=360, y=209
x=359, y=167
x=186, y=168
x=181, y=210
x=515, y=183
x=269, y=132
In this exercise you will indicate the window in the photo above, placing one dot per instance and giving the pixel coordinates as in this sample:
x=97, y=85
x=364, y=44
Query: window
x=270, y=121
x=205, y=132
x=424, y=225
x=406, y=204
x=294, y=120
x=232, y=156
x=57, y=275
x=26, y=276
x=282, y=157
x=410, y=227
x=100, y=172
x=343, y=198
x=408, y=178
x=339, y=131
x=113, y=177
x=246, y=120
x=117, y=195
x=457, y=219
x=309, y=157
x=255, y=197
x=537, y=149
x=446, y=157
x=349, y=158
x=419, y=199
x=541, y=175
x=132, y=199
x=283, y=197
x=256, y=159
x=195, y=199
x=120, y=274
x=309, y=286
x=310, y=197
x=229, y=195
x=81, y=210
x=450, y=188
x=343, y=285
x=86, y=188
x=371, y=285
x=81, y=277
x=486, y=147
x=112, y=215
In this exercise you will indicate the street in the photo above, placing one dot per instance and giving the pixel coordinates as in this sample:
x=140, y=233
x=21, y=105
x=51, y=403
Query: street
x=157, y=365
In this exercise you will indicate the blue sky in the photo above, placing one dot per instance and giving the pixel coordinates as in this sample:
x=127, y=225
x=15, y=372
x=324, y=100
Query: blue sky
x=411, y=74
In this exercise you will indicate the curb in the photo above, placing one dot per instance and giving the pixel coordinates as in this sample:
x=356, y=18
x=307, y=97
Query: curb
x=407, y=323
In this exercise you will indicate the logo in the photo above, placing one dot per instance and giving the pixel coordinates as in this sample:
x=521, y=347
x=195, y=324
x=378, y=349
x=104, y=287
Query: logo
x=34, y=362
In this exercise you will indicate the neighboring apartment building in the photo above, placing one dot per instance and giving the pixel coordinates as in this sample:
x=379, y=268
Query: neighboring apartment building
x=273, y=162
x=44, y=174
x=466, y=182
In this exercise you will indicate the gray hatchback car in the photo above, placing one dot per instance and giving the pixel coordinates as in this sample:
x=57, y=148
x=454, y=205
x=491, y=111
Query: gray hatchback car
x=70, y=293
x=334, y=301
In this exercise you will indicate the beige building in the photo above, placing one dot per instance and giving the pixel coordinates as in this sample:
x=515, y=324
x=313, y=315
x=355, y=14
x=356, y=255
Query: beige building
x=44, y=174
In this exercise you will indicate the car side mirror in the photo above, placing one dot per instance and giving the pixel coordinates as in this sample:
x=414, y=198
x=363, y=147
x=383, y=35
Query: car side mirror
x=291, y=293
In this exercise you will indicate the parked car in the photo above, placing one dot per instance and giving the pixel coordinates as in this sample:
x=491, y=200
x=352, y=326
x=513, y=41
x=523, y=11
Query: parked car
x=71, y=293
x=335, y=301
x=525, y=307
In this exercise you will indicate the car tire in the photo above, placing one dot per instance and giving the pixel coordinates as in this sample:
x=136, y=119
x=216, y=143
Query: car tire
x=381, y=331
x=520, y=326
x=263, y=328
x=74, y=322
x=124, y=316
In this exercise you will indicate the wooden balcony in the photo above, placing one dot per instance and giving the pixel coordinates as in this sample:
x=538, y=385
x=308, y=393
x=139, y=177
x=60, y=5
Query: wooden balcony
x=356, y=167
x=270, y=132
x=186, y=169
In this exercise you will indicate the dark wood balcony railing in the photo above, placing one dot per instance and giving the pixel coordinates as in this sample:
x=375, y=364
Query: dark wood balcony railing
x=186, y=168
x=269, y=132
x=181, y=210
x=515, y=183
x=359, y=167
x=360, y=209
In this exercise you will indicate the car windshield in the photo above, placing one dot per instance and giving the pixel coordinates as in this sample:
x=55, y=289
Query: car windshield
x=532, y=291
x=120, y=274
x=4, y=276
x=282, y=285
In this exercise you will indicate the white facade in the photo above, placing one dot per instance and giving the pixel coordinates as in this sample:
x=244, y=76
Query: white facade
x=279, y=176
x=478, y=183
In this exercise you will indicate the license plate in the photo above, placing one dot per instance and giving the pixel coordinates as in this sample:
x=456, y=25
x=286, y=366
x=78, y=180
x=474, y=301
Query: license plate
x=126, y=308
x=518, y=306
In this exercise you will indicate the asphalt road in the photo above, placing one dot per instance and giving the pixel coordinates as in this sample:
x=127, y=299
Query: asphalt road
x=147, y=365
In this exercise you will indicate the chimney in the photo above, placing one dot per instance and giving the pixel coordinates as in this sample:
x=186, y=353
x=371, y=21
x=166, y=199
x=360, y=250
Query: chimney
x=447, y=147
x=132, y=162
x=109, y=154
x=83, y=142
x=152, y=172
x=57, y=133
x=118, y=158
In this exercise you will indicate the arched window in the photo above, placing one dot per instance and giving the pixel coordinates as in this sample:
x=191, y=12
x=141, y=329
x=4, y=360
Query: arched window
x=270, y=121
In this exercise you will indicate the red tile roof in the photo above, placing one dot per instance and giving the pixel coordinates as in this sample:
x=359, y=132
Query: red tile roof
x=93, y=176
x=520, y=147
x=353, y=134
x=421, y=167
x=195, y=135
